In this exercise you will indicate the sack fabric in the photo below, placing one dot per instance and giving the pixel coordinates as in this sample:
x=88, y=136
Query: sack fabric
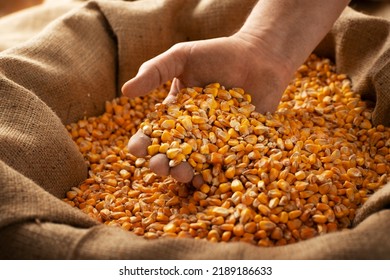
x=67, y=70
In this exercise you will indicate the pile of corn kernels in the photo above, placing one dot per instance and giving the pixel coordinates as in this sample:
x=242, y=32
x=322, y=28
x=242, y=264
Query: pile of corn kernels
x=269, y=179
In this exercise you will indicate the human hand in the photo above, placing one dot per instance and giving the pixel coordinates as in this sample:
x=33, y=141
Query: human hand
x=260, y=58
x=235, y=61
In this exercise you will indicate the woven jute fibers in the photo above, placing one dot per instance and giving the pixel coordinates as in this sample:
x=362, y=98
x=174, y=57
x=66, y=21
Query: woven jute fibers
x=81, y=59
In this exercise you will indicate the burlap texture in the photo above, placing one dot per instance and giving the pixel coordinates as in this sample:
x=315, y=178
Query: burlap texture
x=79, y=61
x=21, y=25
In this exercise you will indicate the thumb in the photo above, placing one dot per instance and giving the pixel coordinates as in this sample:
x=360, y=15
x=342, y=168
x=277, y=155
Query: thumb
x=176, y=86
x=157, y=71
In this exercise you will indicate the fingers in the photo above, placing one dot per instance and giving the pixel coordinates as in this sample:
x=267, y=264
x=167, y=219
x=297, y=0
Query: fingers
x=157, y=71
x=176, y=86
x=197, y=181
x=152, y=74
x=182, y=172
x=138, y=144
x=159, y=164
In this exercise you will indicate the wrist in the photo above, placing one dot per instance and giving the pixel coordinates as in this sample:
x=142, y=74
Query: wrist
x=266, y=50
x=290, y=30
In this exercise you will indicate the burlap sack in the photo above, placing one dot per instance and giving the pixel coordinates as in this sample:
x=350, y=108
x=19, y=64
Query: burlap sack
x=80, y=60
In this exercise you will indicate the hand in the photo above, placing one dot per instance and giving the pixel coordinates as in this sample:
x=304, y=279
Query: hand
x=260, y=58
x=235, y=61
x=232, y=61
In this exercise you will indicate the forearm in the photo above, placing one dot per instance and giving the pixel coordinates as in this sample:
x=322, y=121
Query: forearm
x=291, y=28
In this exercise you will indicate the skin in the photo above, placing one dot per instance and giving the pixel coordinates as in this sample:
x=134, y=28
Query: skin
x=274, y=41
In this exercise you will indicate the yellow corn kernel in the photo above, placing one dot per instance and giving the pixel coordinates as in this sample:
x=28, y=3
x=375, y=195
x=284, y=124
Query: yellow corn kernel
x=223, y=135
x=198, y=119
x=198, y=157
x=216, y=158
x=166, y=136
x=236, y=185
x=229, y=159
x=163, y=148
x=354, y=172
x=320, y=219
x=186, y=122
x=186, y=148
x=267, y=225
x=300, y=175
x=173, y=152
x=230, y=172
x=381, y=168
x=153, y=149
x=224, y=187
x=294, y=214
x=312, y=148
x=168, y=124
